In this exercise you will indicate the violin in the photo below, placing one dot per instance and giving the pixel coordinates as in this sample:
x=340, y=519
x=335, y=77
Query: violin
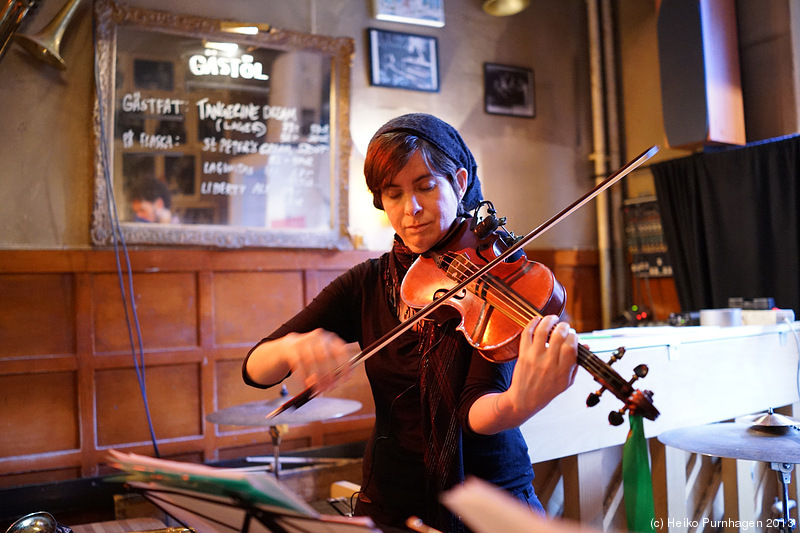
x=515, y=306
x=496, y=307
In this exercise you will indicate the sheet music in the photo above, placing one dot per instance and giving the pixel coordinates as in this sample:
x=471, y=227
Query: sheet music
x=221, y=500
x=255, y=487
x=486, y=509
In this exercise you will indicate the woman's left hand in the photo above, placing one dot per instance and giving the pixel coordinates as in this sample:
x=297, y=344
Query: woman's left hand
x=546, y=365
x=545, y=368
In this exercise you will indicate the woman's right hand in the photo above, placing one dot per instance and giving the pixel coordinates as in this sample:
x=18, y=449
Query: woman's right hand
x=309, y=356
x=314, y=355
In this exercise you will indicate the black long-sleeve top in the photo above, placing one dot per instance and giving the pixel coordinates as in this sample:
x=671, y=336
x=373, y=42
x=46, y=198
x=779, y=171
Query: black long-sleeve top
x=355, y=306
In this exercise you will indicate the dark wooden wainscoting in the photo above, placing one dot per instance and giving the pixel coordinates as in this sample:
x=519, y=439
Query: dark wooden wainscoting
x=68, y=384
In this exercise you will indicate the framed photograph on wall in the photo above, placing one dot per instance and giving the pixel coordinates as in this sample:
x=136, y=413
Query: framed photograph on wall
x=508, y=90
x=424, y=12
x=403, y=60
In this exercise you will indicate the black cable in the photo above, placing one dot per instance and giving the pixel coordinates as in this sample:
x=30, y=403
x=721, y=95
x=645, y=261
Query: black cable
x=118, y=238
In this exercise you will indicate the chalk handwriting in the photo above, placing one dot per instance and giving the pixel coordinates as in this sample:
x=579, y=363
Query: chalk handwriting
x=310, y=149
x=152, y=142
x=219, y=109
x=224, y=167
x=244, y=111
x=222, y=188
x=319, y=134
x=303, y=161
x=158, y=142
x=281, y=113
x=133, y=102
x=259, y=129
x=236, y=147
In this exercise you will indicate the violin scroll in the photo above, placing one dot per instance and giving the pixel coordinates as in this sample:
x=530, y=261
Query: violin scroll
x=635, y=402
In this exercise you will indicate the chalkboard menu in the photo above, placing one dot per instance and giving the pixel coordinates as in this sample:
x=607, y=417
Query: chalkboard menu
x=220, y=139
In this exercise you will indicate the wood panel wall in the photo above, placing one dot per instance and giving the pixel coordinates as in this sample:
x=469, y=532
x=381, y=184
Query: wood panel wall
x=69, y=390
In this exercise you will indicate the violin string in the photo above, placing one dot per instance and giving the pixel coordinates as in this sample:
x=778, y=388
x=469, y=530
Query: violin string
x=520, y=311
x=516, y=307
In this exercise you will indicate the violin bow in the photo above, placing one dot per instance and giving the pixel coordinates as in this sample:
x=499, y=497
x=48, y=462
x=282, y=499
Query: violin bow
x=328, y=380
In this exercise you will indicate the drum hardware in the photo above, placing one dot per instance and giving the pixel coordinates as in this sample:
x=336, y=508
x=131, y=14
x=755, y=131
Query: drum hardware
x=784, y=471
x=768, y=437
x=769, y=419
x=255, y=414
x=38, y=522
x=46, y=45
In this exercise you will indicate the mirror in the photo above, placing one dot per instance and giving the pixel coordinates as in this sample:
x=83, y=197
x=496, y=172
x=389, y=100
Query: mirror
x=212, y=137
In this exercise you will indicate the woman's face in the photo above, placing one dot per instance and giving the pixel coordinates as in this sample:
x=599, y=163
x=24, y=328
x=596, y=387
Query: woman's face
x=421, y=206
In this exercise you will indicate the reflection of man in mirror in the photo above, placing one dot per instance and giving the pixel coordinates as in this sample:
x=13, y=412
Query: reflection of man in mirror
x=151, y=201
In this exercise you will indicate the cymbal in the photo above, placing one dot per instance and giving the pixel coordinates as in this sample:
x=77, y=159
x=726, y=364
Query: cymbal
x=738, y=441
x=769, y=419
x=255, y=413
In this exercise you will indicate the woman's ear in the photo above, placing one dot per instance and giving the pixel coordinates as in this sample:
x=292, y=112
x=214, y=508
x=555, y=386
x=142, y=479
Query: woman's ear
x=461, y=183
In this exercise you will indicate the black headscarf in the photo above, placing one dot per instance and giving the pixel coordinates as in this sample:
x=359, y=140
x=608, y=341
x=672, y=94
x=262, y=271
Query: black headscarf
x=444, y=137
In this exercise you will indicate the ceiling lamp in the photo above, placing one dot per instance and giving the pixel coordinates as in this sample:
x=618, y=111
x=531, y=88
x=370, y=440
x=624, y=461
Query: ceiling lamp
x=503, y=8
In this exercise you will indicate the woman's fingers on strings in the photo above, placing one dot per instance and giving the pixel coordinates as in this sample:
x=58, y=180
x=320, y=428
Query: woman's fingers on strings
x=556, y=340
x=544, y=330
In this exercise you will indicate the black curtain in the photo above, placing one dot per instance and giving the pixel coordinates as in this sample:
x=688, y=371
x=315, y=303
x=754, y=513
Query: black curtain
x=731, y=221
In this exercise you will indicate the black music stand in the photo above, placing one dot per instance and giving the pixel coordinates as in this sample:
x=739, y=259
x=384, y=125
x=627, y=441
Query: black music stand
x=219, y=500
x=207, y=513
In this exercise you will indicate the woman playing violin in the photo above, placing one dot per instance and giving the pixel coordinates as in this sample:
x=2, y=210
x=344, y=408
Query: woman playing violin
x=442, y=411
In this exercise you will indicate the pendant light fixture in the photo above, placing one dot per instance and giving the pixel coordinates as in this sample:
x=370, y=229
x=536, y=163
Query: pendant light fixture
x=503, y=8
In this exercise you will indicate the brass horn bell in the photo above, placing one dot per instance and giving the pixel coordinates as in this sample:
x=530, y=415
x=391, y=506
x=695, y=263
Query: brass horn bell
x=11, y=16
x=46, y=44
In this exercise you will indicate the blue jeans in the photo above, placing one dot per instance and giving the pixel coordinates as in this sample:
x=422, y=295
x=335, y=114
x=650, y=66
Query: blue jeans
x=527, y=495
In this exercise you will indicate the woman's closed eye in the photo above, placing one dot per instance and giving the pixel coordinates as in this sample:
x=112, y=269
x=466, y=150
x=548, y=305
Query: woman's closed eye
x=392, y=193
x=426, y=186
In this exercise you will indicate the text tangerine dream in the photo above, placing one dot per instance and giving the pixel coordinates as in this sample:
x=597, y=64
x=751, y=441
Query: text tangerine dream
x=135, y=103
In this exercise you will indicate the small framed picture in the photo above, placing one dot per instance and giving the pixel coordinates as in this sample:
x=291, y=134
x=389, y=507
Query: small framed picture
x=424, y=12
x=508, y=90
x=403, y=60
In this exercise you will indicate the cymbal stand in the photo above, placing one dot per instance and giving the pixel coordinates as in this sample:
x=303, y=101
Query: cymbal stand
x=784, y=471
x=275, y=433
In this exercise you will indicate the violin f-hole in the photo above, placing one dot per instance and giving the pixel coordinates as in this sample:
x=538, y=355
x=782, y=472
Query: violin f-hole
x=459, y=296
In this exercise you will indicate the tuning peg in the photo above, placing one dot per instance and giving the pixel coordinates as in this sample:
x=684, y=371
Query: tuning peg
x=593, y=398
x=639, y=372
x=617, y=355
x=615, y=418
